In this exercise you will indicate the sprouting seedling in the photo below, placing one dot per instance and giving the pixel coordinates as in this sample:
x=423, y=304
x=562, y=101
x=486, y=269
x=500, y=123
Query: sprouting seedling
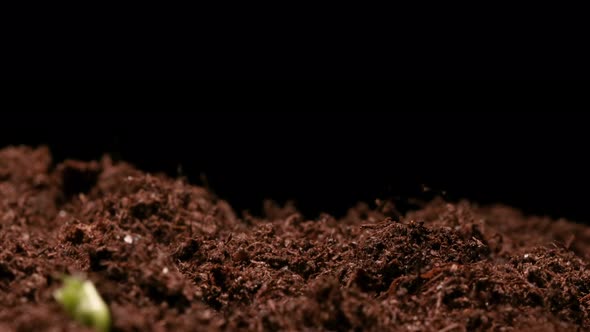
x=81, y=300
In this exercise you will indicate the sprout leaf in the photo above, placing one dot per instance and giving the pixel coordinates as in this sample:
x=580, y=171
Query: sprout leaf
x=81, y=300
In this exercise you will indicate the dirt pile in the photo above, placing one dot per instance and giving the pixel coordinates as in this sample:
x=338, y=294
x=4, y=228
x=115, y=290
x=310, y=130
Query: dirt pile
x=169, y=256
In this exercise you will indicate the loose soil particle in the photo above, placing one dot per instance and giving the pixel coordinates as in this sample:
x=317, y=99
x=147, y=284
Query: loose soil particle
x=169, y=256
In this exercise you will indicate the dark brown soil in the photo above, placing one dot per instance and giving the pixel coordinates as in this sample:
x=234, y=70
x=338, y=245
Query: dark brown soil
x=169, y=256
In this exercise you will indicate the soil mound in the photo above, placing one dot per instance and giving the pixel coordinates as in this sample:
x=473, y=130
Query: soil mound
x=169, y=256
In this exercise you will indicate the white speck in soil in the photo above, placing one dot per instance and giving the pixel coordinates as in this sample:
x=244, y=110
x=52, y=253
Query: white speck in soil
x=62, y=214
x=165, y=270
x=128, y=239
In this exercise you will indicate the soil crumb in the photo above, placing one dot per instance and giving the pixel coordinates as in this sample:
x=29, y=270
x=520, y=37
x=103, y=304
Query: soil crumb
x=169, y=256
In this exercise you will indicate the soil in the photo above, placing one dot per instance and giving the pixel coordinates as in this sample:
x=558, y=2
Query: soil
x=169, y=256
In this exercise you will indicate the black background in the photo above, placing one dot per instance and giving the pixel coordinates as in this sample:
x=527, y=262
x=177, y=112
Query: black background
x=327, y=161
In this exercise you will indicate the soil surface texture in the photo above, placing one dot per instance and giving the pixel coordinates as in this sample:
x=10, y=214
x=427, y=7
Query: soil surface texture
x=169, y=256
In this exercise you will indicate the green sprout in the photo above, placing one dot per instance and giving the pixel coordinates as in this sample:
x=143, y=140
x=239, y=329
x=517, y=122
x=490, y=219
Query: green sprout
x=81, y=300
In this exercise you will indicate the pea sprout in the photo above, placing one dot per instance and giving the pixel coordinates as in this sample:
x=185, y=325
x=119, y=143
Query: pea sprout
x=81, y=300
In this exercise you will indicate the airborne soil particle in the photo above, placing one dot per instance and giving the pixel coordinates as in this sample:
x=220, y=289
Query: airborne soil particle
x=169, y=256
